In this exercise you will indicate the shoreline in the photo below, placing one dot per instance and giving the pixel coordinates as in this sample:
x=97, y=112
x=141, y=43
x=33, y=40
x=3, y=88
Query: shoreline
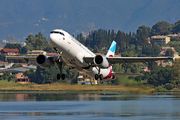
x=68, y=91
x=16, y=88
x=86, y=92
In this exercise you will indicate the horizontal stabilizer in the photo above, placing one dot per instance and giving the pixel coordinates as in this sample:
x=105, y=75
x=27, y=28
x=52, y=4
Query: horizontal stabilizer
x=127, y=74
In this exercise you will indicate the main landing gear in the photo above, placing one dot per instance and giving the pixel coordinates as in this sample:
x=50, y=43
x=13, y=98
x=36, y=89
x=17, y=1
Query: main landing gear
x=100, y=76
x=60, y=75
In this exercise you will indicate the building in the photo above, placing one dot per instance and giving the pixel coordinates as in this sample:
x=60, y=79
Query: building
x=51, y=54
x=9, y=52
x=40, y=52
x=174, y=35
x=86, y=80
x=160, y=39
x=22, y=78
x=164, y=49
x=163, y=63
x=144, y=68
x=19, y=69
x=5, y=65
x=36, y=53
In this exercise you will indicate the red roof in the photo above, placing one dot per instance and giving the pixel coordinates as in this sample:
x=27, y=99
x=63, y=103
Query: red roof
x=10, y=50
x=3, y=62
x=51, y=54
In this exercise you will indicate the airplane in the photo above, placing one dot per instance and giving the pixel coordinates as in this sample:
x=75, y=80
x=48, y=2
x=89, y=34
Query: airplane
x=73, y=54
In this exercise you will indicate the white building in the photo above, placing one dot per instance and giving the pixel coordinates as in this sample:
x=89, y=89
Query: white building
x=160, y=39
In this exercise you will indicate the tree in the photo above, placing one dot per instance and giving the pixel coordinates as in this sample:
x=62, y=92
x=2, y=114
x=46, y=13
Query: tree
x=7, y=76
x=176, y=70
x=176, y=27
x=170, y=53
x=143, y=33
x=128, y=54
x=37, y=42
x=31, y=74
x=16, y=65
x=161, y=28
x=96, y=49
x=159, y=76
x=151, y=49
x=2, y=57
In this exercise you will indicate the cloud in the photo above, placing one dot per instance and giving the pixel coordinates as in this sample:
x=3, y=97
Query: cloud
x=45, y=19
x=36, y=24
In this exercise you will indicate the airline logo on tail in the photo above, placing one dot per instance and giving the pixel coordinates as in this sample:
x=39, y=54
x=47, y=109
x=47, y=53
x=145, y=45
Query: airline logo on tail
x=112, y=49
x=111, y=52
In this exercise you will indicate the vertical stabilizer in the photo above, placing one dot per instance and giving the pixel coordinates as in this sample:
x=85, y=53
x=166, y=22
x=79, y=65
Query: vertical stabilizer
x=112, y=49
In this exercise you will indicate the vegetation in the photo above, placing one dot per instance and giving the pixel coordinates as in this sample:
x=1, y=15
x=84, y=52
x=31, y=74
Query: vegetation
x=7, y=76
x=12, y=86
x=16, y=65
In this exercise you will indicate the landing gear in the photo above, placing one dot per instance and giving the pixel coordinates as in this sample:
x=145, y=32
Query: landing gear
x=59, y=63
x=60, y=76
x=100, y=76
x=96, y=76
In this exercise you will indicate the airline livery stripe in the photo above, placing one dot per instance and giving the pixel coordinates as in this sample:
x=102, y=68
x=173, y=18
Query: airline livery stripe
x=113, y=46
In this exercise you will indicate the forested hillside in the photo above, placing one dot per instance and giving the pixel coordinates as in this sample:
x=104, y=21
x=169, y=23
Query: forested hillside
x=20, y=17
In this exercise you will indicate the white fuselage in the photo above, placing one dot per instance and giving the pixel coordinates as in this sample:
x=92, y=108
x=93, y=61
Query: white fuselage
x=72, y=52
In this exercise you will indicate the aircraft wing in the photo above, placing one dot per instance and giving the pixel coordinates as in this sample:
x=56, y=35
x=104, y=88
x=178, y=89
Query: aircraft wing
x=127, y=74
x=113, y=60
x=30, y=58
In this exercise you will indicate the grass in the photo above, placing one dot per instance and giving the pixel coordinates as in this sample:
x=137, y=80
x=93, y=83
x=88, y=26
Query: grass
x=12, y=86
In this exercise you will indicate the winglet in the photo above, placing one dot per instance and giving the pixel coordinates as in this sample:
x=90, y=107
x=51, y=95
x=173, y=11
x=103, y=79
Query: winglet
x=112, y=49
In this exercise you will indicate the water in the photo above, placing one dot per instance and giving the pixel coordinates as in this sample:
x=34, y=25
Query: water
x=78, y=106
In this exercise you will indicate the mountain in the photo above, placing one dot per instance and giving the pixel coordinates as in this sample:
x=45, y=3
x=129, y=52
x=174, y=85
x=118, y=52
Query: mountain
x=21, y=18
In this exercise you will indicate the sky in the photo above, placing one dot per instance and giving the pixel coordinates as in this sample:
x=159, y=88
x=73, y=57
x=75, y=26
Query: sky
x=22, y=18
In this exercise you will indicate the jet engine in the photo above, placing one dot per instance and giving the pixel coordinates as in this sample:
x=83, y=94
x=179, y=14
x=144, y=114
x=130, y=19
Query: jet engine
x=43, y=61
x=101, y=61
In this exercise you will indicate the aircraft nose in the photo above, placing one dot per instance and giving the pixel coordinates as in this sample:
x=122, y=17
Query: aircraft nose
x=52, y=38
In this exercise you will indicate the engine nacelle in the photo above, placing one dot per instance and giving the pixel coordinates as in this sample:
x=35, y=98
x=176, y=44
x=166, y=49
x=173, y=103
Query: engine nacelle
x=43, y=61
x=101, y=61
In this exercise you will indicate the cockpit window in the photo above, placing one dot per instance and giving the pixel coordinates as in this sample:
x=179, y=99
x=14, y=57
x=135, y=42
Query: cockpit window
x=62, y=33
x=57, y=32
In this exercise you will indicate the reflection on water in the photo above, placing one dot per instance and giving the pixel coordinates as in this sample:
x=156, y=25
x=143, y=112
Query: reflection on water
x=64, y=96
x=88, y=106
